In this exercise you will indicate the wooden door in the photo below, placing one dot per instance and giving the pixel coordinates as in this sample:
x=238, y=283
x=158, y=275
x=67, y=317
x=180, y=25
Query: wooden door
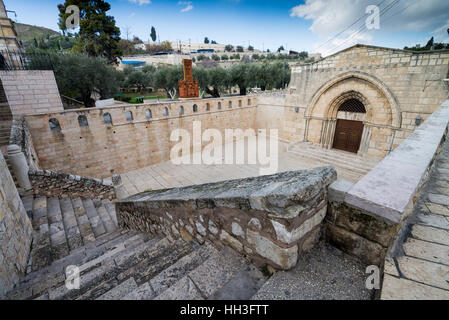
x=348, y=135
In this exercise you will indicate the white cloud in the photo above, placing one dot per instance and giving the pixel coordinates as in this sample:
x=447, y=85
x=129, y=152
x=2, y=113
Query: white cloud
x=329, y=17
x=188, y=6
x=140, y=2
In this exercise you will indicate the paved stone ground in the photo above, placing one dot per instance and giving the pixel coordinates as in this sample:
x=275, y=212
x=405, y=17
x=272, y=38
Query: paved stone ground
x=168, y=175
x=324, y=273
x=420, y=270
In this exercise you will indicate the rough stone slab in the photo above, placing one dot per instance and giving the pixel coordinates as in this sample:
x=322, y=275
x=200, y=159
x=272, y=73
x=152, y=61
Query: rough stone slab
x=277, y=190
x=430, y=234
x=435, y=208
x=427, y=251
x=182, y=267
x=119, y=291
x=439, y=199
x=144, y=292
x=338, y=190
x=242, y=287
x=402, y=289
x=388, y=189
x=433, y=220
x=432, y=274
x=184, y=289
x=215, y=272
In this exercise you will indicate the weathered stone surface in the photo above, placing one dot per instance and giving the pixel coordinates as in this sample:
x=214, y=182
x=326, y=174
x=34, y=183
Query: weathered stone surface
x=402, y=289
x=351, y=243
x=427, y=251
x=284, y=258
x=119, y=291
x=231, y=241
x=432, y=274
x=237, y=230
x=286, y=236
x=184, y=289
x=430, y=234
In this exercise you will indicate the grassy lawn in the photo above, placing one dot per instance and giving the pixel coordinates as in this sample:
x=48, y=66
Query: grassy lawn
x=145, y=95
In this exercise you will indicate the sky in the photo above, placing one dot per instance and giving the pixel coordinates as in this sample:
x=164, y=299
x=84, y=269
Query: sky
x=324, y=26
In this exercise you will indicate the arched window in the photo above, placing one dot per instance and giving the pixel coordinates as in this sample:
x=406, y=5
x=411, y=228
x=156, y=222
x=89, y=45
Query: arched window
x=54, y=124
x=195, y=108
x=352, y=105
x=230, y=105
x=249, y=102
x=240, y=103
x=148, y=114
x=181, y=110
x=207, y=107
x=82, y=121
x=129, y=116
x=107, y=118
x=166, y=113
x=219, y=106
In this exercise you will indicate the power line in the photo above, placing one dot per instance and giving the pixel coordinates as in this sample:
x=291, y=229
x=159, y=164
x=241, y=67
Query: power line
x=363, y=27
x=338, y=34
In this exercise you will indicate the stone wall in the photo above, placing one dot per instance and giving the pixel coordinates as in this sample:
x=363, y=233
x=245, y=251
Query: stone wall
x=31, y=92
x=395, y=86
x=270, y=219
x=50, y=184
x=366, y=219
x=15, y=232
x=102, y=150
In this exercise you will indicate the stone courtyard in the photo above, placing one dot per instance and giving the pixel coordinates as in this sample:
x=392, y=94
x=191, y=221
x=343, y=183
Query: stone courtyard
x=360, y=180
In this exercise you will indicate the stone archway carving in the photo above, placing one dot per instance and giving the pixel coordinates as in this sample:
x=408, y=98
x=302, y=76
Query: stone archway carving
x=378, y=84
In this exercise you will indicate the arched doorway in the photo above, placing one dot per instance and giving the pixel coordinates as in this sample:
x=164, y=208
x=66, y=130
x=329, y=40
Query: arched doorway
x=349, y=127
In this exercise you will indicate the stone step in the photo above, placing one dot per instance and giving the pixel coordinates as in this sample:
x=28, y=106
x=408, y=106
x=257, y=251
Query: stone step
x=106, y=218
x=134, y=262
x=110, y=206
x=41, y=252
x=333, y=162
x=58, y=237
x=207, y=279
x=94, y=218
x=83, y=221
x=172, y=274
x=73, y=234
x=36, y=283
x=334, y=155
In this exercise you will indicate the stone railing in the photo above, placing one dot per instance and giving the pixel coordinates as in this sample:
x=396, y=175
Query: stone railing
x=270, y=219
x=15, y=232
x=368, y=218
x=49, y=183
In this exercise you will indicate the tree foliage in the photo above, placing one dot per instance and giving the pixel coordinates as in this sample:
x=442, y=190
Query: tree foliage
x=79, y=76
x=153, y=34
x=98, y=35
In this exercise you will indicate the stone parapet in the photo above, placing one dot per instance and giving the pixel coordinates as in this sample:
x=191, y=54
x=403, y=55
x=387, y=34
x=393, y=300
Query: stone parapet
x=15, y=232
x=270, y=219
x=50, y=183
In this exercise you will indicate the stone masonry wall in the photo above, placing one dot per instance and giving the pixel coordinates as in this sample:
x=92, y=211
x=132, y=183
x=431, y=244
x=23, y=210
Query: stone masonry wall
x=49, y=183
x=269, y=219
x=398, y=86
x=101, y=150
x=15, y=232
x=31, y=92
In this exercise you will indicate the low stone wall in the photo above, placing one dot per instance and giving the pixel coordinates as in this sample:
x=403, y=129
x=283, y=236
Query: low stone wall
x=21, y=136
x=270, y=219
x=366, y=219
x=15, y=232
x=49, y=183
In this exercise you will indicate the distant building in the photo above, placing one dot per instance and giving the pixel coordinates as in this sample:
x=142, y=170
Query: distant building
x=9, y=43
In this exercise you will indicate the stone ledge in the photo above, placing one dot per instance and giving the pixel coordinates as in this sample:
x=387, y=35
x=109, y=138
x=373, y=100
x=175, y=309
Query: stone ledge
x=270, y=219
x=50, y=183
x=387, y=191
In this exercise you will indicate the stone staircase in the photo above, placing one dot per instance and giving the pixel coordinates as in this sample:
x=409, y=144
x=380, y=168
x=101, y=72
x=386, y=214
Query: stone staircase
x=120, y=264
x=353, y=164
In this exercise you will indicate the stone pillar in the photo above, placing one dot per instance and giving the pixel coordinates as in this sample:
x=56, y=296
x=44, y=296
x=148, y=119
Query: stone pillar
x=120, y=191
x=330, y=142
x=306, y=129
x=19, y=166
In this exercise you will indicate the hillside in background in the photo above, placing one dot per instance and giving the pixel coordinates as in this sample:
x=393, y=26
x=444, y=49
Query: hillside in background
x=27, y=33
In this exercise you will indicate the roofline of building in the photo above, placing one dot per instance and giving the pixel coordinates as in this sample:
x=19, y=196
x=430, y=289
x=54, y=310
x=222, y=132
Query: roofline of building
x=359, y=45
